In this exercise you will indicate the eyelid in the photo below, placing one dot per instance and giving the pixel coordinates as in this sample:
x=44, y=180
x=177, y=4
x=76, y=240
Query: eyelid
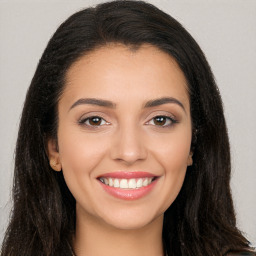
x=90, y=114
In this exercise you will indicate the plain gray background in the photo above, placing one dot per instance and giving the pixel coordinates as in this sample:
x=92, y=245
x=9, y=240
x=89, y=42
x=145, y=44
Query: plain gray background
x=225, y=30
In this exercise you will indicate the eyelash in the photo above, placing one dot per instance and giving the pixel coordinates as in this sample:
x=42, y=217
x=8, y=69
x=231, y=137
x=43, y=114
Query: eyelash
x=87, y=119
x=171, y=120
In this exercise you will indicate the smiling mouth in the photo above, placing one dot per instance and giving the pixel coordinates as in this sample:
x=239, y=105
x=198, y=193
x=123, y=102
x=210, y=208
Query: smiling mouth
x=127, y=183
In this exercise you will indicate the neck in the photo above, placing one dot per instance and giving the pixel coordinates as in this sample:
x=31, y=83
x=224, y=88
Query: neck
x=97, y=238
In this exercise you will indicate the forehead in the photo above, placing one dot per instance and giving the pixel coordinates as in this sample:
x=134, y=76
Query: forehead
x=115, y=68
x=117, y=52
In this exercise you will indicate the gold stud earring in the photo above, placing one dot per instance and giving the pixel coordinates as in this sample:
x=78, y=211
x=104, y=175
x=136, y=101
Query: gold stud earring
x=54, y=165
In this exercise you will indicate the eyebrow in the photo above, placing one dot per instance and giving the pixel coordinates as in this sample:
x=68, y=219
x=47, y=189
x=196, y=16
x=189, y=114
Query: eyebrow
x=93, y=101
x=161, y=101
x=110, y=104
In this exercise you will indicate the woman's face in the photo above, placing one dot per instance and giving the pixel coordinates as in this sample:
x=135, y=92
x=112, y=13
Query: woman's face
x=124, y=134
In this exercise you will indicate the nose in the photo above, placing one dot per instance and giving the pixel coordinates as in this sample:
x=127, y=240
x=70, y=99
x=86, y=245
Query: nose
x=128, y=146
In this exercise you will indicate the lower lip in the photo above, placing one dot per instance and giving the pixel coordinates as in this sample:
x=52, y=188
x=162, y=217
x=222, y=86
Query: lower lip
x=128, y=194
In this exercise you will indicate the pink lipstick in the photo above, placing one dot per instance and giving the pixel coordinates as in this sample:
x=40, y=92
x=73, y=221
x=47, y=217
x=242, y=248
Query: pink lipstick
x=128, y=185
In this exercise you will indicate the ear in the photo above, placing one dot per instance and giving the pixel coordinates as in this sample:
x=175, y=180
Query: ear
x=190, y=159
x=53, y=154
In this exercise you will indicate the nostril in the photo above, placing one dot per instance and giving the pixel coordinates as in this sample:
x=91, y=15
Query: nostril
x=129, y=155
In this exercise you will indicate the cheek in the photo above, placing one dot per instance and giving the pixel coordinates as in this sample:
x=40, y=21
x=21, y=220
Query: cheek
x=173, y=149
x=176, y=159
x=173, y=156
x=79, y=155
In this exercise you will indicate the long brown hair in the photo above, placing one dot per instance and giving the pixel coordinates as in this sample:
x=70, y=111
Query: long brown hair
x=201, y=221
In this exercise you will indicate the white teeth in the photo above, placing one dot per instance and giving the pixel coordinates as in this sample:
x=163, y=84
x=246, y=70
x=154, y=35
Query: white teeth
x=110, y=182
x=145, y=182
x=116, y=183
x=127, y=183
x=124, y=183
x=132, y=183
x=139, y=183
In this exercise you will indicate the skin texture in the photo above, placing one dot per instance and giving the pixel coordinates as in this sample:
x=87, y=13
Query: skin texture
x=127, y=138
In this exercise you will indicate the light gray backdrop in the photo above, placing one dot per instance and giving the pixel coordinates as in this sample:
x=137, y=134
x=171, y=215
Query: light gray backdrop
x=226, y=31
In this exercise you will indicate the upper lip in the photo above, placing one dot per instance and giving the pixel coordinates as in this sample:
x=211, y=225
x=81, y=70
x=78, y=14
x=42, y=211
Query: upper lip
x=127, y=175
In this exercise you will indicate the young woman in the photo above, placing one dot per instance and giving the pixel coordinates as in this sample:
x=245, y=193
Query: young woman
x=123, y=147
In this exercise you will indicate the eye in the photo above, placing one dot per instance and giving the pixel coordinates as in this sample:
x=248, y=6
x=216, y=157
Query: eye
x=93, y=121
x=163, y=121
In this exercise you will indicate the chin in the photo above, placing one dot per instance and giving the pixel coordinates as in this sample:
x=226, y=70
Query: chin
x=128, y=220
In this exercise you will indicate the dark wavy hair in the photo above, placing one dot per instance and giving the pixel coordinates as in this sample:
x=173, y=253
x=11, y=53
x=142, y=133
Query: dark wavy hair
x=201, y=221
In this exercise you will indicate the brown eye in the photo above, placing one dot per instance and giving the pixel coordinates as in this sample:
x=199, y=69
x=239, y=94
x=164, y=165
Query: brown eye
x=93, y=121
x=162, y=121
